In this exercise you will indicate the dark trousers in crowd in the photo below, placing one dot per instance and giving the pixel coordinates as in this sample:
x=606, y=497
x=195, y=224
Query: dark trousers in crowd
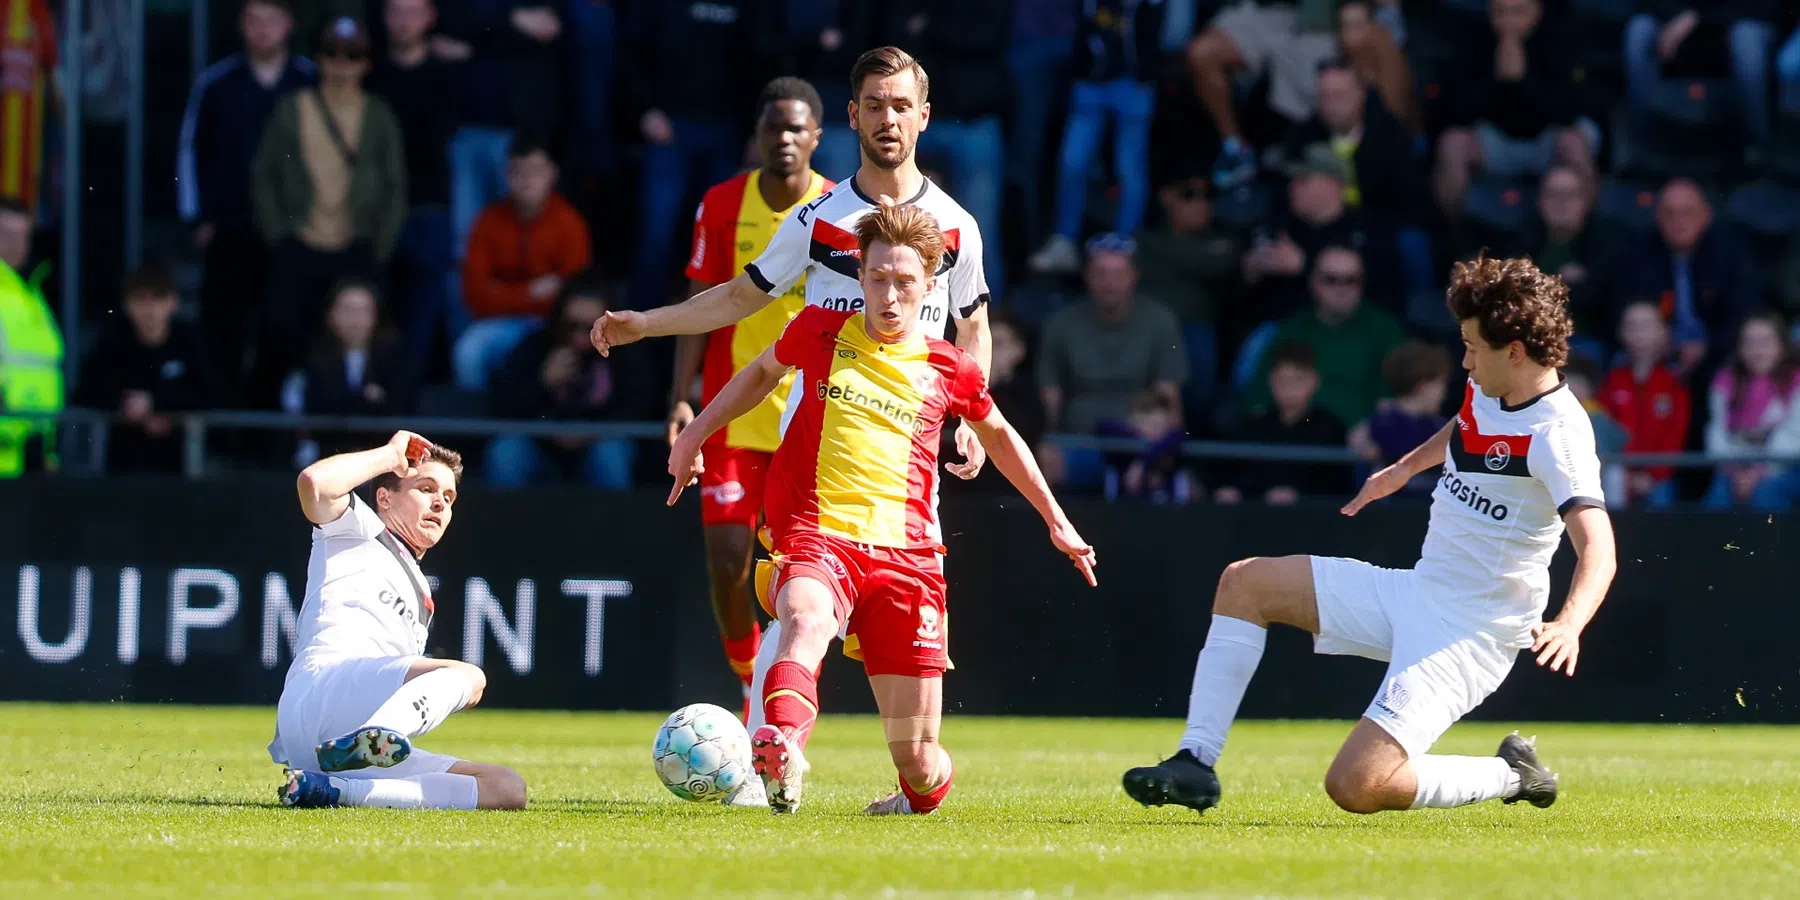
x=420, y=268
x=300, y=283
x=675, y=175
x=236, y=276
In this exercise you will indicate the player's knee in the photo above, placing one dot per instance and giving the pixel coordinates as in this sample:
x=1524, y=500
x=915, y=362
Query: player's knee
x=1210, y=50
x=1352, y=792
x=1236, y=596
x=1457, y=148
x=477, y=681
x=502, y=789
x=811, y=626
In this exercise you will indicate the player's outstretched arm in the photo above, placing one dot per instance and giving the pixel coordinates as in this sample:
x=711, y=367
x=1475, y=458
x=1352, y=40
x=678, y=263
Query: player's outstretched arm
x=1423, y=458
x=325, y=486
x=740, y=395
x=1558, y=641
x=706, y=311
x=1013, y=457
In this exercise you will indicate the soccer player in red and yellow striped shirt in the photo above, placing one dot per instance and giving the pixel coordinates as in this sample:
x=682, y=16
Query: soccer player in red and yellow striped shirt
x=849, y=503
x=735, y=222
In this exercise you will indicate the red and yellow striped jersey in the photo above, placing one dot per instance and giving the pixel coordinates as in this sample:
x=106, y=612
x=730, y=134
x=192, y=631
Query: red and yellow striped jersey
x=733, y=226
x=859, y=459
x=27, y=57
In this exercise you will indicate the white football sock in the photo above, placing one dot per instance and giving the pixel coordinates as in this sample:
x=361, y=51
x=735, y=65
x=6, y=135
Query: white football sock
x=759, y=672
x=1233, y=648
x=441, y=791
x=1451, y=781
x=423, y=703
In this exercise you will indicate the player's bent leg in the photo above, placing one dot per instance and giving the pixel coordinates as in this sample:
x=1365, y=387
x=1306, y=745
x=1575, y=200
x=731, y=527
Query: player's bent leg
x=807, y=608
x=497, y=787
x=1370, y=772
x=911, y=716
x=1261, y=590
x=433, y=689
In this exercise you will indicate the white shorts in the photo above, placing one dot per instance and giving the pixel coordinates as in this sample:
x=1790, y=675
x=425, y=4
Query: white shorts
x=1438, y=670
x=327, y=699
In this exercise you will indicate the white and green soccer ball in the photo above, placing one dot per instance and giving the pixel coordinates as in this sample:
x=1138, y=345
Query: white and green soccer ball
x=702, y=753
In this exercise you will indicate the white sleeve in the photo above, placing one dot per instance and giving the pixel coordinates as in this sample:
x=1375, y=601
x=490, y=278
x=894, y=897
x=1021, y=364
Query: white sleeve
x=1564, y=459
x=788, y=255
x=358, y=521
x=968, y=281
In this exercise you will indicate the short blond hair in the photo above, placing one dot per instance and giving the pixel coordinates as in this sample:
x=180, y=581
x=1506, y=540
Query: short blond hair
x=903, y=226
x=882, y=62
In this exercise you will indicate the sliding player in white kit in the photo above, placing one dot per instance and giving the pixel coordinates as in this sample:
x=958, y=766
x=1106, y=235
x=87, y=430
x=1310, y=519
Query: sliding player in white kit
x=818, y=241
x=1518, y=463
x=360, y=687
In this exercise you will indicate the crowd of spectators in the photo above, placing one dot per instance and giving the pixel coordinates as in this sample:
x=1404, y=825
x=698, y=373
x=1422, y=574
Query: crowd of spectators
x=1205, y=219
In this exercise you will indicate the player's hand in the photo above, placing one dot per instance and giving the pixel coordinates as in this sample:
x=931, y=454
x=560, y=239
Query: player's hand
x=615, y=328
x=657, y=128
x=681, y=415
x=686, y=463
x=973, y=454
x=411, y=450
x=1066, y=539
x=1382, y=483
x=1556, y=642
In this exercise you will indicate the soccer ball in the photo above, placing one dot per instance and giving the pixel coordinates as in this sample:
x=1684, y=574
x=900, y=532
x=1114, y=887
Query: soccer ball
x=702, y=753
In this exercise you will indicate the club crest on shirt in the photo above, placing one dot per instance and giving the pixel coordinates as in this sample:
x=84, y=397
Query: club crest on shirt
x=1497, y=456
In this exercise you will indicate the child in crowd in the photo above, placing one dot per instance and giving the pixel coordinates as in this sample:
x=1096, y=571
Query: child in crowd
x=1583, y=376
x=1291, y=419
x=1755, y=405
x=1418, y=376
x=1156, y=473
x=1645, y=396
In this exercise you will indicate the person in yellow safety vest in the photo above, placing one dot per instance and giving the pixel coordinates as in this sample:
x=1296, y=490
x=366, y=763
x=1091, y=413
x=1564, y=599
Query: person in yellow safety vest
x=31, y=351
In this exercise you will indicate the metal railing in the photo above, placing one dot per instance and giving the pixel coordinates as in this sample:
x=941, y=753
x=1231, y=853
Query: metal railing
x=196, y=426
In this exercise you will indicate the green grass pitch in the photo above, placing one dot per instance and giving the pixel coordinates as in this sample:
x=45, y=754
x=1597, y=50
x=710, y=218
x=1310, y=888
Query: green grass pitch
x=176, y=801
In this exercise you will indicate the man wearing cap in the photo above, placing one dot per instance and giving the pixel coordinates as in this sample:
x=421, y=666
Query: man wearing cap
x=1096, y=356
x=1316, y=217
x=329, y=194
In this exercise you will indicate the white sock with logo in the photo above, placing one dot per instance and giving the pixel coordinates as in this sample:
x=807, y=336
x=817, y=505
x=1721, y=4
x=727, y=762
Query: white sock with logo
x=423, y=703
x=439, y=791
x=1233, y=648
x=759, y=672
x=1450, y=781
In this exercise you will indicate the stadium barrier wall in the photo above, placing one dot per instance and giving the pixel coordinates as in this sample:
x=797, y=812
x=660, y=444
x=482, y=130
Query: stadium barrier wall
x=159, y=590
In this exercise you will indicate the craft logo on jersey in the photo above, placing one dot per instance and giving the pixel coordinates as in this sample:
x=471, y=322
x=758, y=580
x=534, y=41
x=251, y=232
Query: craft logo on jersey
x=1498, y=456
x=888, y=409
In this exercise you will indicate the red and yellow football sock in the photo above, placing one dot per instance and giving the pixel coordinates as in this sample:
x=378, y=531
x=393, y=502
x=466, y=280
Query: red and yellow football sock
x=923, y=803
x=791, y=699
x=741, y=652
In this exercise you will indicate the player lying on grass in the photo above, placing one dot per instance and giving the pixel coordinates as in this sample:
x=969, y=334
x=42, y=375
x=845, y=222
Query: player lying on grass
x=849, y=505
x=1518, y=463
x=360, y=688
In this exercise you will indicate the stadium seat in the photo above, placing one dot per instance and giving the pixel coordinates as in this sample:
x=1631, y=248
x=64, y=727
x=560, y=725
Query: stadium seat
x=1768, y=212
x=1625, y=205
x=1693, y=103
x=1616, y=11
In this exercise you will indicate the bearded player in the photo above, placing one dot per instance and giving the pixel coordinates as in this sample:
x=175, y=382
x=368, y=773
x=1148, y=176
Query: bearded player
x=360, y=688
x=1518, y=466
x=734, y=225
x=888, y=110
x=850, y=505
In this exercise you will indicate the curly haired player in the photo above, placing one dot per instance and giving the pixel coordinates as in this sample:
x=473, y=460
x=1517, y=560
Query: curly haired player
x=850, y=505
x=1518, y=465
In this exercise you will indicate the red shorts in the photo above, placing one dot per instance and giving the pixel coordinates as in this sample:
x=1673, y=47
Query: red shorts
x=890, y=602
x=731, y=488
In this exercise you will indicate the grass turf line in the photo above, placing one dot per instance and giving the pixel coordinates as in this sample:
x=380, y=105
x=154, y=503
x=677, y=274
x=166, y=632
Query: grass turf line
x=161, y=800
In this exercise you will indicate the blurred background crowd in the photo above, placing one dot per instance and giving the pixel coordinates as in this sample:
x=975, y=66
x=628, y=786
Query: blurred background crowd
x=1227, y=221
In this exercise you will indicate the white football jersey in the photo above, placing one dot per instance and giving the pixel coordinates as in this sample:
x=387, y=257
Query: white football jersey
x=365, y=595
x=819, y=242
x=1510, y=475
